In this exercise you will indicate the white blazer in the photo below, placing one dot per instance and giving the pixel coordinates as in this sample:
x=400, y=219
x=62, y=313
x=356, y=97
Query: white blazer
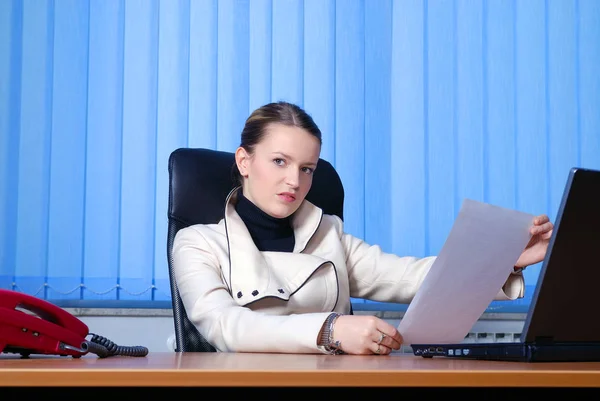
x=244, y=300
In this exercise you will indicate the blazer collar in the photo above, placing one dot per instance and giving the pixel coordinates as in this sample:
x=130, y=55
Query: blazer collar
x=251, y=268
x=305, y=222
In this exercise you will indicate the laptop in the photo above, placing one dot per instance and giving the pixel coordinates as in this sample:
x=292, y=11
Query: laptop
x=562, y=322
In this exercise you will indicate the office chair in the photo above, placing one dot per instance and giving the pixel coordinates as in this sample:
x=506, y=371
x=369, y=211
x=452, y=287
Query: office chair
x=199, y=182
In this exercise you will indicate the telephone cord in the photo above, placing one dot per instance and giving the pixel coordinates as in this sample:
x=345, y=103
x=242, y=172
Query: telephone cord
x=103, y=347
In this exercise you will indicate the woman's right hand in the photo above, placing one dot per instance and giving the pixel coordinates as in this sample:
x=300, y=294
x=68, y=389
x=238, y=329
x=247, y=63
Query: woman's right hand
x=362, y=335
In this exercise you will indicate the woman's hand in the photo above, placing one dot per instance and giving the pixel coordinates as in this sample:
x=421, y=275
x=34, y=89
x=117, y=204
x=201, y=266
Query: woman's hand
x=535, y=251
x=366, y=335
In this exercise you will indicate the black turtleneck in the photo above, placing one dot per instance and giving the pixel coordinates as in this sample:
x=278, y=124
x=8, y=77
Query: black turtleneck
x=269, y=233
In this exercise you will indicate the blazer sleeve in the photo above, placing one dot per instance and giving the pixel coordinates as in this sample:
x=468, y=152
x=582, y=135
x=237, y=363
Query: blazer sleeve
x=220, y=320
x=386, y=277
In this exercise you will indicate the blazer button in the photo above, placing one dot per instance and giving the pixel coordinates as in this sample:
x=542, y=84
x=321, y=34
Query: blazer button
x=239, y=294
x=255, y=293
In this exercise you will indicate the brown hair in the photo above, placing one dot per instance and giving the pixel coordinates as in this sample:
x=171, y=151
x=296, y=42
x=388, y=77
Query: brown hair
x=273, y=113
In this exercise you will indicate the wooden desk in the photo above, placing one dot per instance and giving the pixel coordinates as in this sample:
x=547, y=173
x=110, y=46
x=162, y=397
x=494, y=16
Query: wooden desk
x=280, y=370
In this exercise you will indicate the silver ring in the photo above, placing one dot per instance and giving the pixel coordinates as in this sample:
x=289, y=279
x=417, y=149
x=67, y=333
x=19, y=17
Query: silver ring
x=378, y=350
x=381, y=337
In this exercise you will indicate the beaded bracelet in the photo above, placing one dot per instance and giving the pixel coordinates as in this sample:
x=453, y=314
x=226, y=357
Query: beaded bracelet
x=327, y=342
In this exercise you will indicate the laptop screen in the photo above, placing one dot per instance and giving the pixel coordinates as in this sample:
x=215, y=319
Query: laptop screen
x=566, y=302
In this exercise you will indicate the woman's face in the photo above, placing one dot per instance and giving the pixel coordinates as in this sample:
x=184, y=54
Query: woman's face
x=278, y=175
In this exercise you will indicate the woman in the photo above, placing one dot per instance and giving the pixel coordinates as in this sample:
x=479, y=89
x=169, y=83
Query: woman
x=276, y=274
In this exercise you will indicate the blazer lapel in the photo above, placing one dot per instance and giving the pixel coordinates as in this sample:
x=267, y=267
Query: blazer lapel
x=253, y=274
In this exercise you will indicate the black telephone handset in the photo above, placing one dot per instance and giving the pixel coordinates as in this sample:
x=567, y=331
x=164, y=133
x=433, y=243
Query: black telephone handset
x=30, y=325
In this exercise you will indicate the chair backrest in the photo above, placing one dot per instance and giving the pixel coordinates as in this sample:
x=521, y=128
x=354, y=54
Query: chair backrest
x=199, y=182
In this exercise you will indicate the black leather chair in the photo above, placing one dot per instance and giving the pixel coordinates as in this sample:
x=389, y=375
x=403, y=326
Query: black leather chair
x=199, y=182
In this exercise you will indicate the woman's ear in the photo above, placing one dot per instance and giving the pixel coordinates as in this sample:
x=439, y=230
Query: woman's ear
x=242, y=159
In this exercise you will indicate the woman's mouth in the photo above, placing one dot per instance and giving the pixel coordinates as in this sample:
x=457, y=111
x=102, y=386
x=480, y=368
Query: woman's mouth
x=287, y=197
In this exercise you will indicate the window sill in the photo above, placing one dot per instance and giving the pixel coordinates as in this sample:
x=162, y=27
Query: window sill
x=163, y=309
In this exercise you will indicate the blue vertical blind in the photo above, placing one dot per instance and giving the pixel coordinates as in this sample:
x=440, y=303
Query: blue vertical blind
x=421, y=103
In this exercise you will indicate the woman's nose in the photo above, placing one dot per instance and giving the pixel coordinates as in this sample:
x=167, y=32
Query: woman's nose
x=292, y=177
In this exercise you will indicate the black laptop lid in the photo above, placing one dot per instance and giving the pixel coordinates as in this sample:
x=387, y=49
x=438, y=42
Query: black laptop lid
x=566, y=300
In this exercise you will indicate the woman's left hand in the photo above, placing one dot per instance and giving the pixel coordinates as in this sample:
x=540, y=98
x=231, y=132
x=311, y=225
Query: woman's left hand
x=535, y=251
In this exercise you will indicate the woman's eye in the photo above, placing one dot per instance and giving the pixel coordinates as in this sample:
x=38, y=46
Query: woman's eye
x=279, y=162
x=307, y=170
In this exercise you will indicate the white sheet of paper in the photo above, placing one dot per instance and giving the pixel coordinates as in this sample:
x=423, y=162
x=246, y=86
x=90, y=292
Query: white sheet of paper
x=478, y=256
